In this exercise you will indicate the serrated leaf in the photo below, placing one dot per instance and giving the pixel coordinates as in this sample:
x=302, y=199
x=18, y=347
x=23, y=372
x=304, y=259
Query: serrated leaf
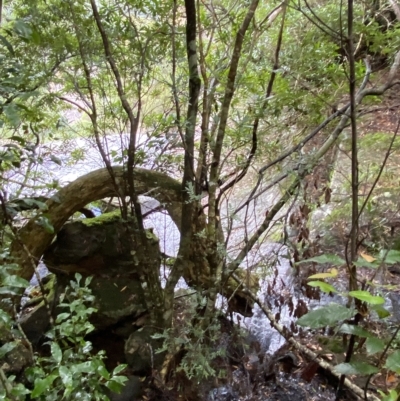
x=355, y=330
x=326, y=316
x=326, y=258
x=374, y=345
x=356, y=368
x=393, y=362
x=56, y=352
x=325, y=287
x=365, y=296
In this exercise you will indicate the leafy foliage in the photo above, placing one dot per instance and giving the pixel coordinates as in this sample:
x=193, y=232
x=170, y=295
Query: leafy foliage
x=71, y=370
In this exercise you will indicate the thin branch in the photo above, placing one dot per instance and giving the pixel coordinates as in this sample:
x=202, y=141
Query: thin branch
x=305, y=169
x=302, y=348
x=229, y=92
x=92, y=106
x=133, y=120
x=318, y=22
x=75, y=104
x=265, y=102
x=174, y=86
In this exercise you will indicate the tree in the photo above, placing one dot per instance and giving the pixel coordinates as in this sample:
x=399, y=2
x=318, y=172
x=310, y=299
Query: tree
x=245, y=82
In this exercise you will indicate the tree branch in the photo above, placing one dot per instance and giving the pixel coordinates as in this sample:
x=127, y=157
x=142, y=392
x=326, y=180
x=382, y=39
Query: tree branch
x=229, y=92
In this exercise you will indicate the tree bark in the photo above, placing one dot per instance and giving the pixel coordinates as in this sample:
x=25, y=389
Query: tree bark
x=32, y=239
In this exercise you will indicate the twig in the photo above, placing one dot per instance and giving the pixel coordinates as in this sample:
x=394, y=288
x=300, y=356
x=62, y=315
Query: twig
x=289, y=338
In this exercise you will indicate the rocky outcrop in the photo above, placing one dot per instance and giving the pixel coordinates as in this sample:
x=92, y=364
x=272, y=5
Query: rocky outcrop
x=102, y=248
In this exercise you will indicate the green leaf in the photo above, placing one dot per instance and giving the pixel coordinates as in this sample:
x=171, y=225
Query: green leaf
x=56, y=352
x=119, y=369
x=381, y=311
x=326, y=316
x=356, y=368
x=41, y=385
x=78, y=277
x=7, y=44
x=84, y=367
x=326, y=258
x=103, y=372
x=62, y=316
x=374, y=345
x=393, y=362
x=6, y=348
x=9, y=291
x=363, y=263
x=65, y=375
x=355, y=330
x=390, y=257
x=88, y=281
x=35, y=203
x=392, y=396
x=15, y=281
x=22, y=29
x=325, y=287
x=114, y=385
x=367, y=297
x=120, y=379
x=19, y=139
x=19, y=390
x=12, y=113
x=45, y=223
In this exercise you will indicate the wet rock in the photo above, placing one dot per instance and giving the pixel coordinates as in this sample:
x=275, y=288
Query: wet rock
x=17, y=359
x=102, y=247
x=224, y=393
x=141, y=351
x=35, y=315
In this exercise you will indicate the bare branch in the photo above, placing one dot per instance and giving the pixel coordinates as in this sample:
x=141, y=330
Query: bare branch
x=229, y=92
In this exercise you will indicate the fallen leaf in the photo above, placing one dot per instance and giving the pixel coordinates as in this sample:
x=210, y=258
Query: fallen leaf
x=367, y=257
